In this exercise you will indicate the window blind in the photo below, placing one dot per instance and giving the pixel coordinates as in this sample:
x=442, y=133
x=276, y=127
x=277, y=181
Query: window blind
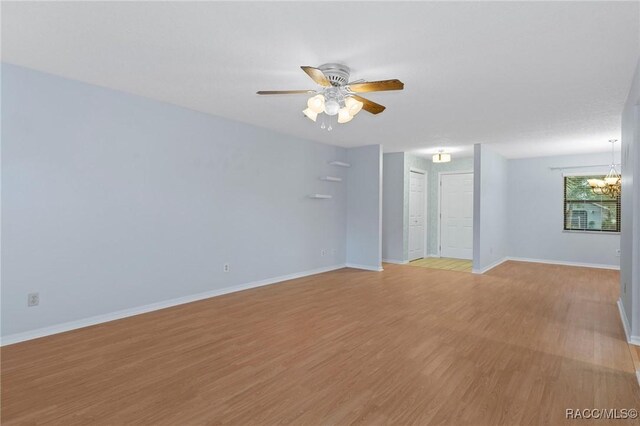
x=586, y=211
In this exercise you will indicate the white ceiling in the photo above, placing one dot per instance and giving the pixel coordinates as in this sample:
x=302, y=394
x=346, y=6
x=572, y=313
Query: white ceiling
x=529, y=79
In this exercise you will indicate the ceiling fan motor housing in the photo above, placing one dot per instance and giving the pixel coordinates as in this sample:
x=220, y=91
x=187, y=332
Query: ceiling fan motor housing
x=337, y=74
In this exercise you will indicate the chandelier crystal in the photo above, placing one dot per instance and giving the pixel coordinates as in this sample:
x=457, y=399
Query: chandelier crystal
x=612, y=182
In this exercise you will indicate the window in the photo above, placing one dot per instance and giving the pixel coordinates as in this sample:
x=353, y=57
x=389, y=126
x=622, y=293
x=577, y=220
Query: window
x=586, y=211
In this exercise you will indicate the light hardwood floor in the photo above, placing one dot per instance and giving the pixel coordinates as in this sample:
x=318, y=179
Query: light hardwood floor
x=518, y=345
x=443, y=263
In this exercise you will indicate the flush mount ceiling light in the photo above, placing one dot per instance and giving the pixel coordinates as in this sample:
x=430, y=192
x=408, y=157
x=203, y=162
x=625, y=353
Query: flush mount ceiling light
x=338, y=96
x=441, y=157
x=612, y=182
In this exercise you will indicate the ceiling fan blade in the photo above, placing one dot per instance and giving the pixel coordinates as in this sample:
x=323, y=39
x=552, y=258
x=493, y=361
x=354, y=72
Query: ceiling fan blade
x=370, y=106
x=377, y=86
x=283, y=92
x=317, y=75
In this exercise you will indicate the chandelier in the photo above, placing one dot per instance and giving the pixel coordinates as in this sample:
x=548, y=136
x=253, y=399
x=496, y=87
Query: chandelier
x=333, y=101
x=611, y=183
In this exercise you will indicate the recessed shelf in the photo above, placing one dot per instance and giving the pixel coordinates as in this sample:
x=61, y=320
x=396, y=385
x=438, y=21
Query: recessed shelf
x=320, y=196
x=340, y=164
x=331, y=178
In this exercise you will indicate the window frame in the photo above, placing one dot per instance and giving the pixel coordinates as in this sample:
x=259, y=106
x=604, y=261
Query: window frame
x=564, y=204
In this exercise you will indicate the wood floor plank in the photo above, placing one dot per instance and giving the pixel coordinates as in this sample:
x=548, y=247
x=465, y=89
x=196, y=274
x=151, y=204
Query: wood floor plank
x=408, y=345
x=443, y=263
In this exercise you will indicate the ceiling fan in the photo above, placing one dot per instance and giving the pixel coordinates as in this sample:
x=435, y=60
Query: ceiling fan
x=337, y=95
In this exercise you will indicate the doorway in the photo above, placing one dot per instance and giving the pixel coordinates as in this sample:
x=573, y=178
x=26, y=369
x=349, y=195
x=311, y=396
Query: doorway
x=456, y=215
x=417, y=240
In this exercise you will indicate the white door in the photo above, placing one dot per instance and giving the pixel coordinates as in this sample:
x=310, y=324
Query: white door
x=456, y=215
x=416, y=215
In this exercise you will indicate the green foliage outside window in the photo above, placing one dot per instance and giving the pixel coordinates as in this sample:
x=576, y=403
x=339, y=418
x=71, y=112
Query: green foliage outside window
x=586, y=211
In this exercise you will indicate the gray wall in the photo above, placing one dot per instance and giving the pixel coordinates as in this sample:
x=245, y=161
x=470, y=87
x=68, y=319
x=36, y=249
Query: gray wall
x=364, y=211
x=393, y=207
x=112, y=201
x=395, y=229
x=630, y=237
x=535, y=219
x=489, y=208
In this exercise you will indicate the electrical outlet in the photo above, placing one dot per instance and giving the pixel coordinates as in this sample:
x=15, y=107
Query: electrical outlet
x=323, y=252
x=618, y=253
x=33, y=299
x=226, y=267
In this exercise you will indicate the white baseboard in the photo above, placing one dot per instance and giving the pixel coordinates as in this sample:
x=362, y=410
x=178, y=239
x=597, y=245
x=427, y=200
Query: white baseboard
x=633, y=340
x=625, y=322
x=565, y=263
x=493, y=265
x=98, y=319
x=397, y=262
x=365, y=267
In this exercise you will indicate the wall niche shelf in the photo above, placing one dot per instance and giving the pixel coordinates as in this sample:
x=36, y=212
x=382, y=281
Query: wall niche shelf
x=331, y=179
x=320, y=196
x=340, y=164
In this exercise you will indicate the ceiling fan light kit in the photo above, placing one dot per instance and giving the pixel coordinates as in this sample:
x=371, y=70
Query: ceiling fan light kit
x=338, y=96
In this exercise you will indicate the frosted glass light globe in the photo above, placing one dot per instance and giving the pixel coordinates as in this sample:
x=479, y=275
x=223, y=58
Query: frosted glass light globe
x=316, y=103
x=344, y=116
x=353, y=105
x=331, y=107
x=311, y=114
